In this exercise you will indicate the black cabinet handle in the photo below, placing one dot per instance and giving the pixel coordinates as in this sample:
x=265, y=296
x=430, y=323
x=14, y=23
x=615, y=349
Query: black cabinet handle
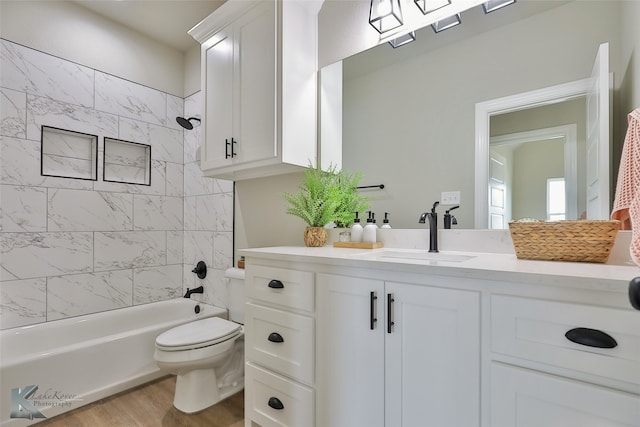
x=390, y=322
x=233, y=146
x=275, y=403
x=226, y=148
x=634, y=292
x=276, y=284
x=275, y=337
x=372, y=312
x=591, y=338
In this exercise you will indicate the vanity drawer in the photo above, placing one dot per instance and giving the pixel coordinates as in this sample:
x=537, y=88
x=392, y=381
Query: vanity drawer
x=535, y=330
x=271, y=400
x=281, y=286
x=520, y=397
x=281, y=341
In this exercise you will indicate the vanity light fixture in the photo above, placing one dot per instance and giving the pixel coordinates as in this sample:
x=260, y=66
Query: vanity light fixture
x=493, y=5
x=428, y=6
x=385, y=15
x=402, y=40
x=446, y=23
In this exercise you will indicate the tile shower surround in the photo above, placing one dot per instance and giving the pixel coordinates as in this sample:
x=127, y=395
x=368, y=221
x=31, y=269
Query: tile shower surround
x=70, y=247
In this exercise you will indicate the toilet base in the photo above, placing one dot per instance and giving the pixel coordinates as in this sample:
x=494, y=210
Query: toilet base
x=196, y=390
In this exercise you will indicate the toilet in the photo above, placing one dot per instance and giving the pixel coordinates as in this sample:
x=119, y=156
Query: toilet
x=207, y=355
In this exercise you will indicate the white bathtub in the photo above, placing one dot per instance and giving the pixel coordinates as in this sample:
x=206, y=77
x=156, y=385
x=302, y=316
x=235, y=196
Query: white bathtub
x=82, y=359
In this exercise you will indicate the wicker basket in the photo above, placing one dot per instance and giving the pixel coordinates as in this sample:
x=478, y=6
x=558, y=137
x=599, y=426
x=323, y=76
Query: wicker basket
x=575, y=240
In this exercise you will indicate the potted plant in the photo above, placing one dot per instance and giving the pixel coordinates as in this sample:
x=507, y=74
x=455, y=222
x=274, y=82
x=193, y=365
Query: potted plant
x=324, y=197
x=349, y=201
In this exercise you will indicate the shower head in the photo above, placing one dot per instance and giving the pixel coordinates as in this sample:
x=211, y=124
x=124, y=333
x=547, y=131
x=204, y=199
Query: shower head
x=186, y=123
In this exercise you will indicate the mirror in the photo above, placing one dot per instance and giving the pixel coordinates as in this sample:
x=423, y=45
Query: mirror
x=409, y=113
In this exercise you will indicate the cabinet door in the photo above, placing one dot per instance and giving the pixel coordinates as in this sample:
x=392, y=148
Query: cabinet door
x=239, y=83
x=523, y=398
x=432, y=368
x=350, y=354
x=255, y=84
x=217, y=76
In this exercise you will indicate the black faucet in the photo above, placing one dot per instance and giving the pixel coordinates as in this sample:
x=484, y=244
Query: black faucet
x=433, y=227
x=198, y=290
x=450, y=219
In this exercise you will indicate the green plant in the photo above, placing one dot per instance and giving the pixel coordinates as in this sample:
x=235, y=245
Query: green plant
x=349, y=199
x=326, y=196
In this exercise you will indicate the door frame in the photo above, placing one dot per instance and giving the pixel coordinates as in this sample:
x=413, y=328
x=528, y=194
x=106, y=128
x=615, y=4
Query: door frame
x=484, y=111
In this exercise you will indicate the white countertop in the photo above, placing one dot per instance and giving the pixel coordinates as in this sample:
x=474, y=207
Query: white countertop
x=483, y=266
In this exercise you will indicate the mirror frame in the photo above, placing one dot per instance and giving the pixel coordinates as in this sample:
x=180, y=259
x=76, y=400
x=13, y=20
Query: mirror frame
x=521, y=101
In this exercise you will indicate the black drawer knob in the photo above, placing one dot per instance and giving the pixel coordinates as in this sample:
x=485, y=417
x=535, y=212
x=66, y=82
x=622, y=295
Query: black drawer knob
x=591, y=338
x=275, y=337
x=634, y=292
x=276, y=284
x=275, y=403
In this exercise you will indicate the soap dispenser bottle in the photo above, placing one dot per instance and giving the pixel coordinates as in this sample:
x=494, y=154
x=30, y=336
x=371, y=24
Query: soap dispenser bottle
x=356, y=230
x=369, y=231
x=385, y=221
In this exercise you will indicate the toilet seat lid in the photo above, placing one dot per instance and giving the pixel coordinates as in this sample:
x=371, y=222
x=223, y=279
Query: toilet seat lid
x=200, y=333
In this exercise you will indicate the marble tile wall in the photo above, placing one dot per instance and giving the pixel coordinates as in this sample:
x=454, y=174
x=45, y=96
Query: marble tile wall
x=208, y=217
x=69, y=246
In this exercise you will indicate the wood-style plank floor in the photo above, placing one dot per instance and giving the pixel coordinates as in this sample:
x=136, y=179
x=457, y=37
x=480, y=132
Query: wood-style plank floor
x=150, y=405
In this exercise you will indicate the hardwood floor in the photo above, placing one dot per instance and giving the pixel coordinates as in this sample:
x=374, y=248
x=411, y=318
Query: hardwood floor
x=150, y=405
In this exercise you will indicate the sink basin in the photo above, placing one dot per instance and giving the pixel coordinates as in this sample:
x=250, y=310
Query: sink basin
x=421, y=255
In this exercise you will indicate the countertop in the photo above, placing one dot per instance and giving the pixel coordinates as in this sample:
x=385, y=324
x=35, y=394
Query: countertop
x=482, y=266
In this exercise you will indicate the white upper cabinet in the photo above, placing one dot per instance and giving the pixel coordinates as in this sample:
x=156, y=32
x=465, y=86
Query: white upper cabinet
x=259, y=83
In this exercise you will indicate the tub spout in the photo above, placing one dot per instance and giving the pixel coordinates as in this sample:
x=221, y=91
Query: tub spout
x=198, y=290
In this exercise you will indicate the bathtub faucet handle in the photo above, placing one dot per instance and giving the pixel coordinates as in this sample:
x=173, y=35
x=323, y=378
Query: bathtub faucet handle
x=198, y=290
x=200, y=270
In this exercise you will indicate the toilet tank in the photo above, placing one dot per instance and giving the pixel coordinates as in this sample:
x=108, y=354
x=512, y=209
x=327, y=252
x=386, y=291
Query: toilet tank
x=235, y=291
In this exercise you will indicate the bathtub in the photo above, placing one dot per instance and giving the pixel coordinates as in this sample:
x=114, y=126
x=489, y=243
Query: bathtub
x=82, y=359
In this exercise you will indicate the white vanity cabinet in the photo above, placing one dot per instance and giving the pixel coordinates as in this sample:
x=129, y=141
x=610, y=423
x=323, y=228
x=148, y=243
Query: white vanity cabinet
x=496, y=343
x=259, y=85
x=279, y=347
x=396, y=354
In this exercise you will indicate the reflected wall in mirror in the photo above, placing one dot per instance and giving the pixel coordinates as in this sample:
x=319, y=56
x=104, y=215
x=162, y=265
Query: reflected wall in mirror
x=409, y=113
x=531, y=152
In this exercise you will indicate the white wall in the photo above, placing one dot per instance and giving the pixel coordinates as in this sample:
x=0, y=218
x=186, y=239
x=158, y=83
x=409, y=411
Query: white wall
x=192, y=71
x=630, y=56
x=70, y=31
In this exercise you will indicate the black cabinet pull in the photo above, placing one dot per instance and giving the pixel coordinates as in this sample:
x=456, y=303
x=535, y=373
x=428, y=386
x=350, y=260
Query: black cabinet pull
x=233, y=146
x=591, y=338
x=372, y=313
x=275, y=403
x=276, y=284
x=226, y=148
x=390, y=321
x=634, y=292
x=275, y=337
